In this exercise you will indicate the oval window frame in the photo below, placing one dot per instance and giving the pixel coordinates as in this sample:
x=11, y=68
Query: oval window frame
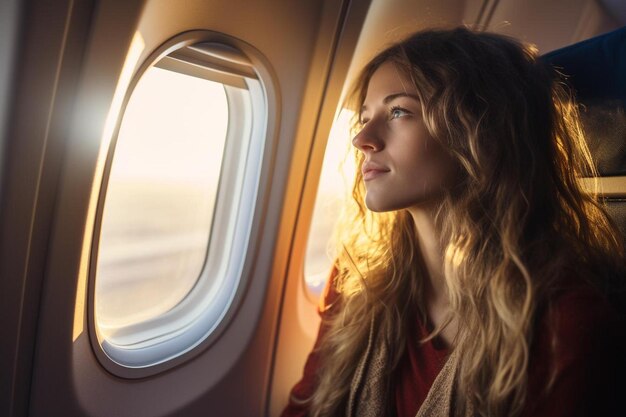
x=252, y=179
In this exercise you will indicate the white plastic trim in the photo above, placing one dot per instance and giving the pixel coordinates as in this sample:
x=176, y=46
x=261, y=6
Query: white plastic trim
x=149, y=347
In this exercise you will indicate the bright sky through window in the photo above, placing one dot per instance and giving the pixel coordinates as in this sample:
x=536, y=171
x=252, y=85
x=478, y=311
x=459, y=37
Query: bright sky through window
x=336, y=180
x=160, y=197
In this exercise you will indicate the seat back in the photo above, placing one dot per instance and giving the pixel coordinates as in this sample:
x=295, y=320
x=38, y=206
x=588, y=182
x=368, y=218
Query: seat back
x=596, y=70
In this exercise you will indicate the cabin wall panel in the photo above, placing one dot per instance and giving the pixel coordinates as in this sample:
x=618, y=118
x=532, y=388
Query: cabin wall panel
x=69, y=381
x=551, y=24
x=50, y=47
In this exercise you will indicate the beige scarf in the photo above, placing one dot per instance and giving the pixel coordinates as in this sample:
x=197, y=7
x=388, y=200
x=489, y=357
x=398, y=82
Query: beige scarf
x=368, y=390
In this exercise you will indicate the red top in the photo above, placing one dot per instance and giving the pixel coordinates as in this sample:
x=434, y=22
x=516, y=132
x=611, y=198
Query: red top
x=590, y=361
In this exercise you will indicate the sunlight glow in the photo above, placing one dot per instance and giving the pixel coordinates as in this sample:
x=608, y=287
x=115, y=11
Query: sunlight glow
x=338, y=172
x=130, y=63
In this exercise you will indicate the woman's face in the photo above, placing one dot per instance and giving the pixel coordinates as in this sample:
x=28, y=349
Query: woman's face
x=403, y=165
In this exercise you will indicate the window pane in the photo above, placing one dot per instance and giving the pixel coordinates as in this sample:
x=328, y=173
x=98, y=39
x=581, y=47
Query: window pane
x=336, y=180
x=160, y=198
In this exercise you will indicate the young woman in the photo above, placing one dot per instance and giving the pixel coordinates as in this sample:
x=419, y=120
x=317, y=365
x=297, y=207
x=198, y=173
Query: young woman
x=472, y=265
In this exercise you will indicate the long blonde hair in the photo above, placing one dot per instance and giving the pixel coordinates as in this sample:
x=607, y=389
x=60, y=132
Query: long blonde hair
x=510, y=231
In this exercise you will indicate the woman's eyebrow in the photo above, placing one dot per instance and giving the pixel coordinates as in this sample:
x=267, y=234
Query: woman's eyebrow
x=392, y=97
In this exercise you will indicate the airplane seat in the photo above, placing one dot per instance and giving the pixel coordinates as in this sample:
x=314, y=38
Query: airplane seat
x=596, y=71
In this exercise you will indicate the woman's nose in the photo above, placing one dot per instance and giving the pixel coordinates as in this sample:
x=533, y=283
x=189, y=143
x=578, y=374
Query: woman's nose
x=367, y=139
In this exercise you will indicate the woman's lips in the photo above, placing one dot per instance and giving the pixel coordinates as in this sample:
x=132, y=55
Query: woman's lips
x=371, y=172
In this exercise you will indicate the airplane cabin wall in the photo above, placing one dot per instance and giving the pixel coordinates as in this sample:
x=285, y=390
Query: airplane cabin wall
x=48, y=50
x=88, y=43
x=551, y=24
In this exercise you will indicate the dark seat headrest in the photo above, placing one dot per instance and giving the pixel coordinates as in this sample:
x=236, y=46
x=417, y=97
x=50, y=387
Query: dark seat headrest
x=596, y=67
x=596, y=71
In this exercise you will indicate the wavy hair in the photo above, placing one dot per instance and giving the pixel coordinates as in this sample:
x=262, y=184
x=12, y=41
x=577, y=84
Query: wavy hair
x=517, y=224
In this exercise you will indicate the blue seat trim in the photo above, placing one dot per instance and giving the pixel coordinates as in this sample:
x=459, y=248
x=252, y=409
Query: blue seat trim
x=596, y=68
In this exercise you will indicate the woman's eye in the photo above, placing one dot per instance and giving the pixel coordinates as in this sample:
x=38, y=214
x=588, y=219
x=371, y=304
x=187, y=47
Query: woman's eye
x=397, y=112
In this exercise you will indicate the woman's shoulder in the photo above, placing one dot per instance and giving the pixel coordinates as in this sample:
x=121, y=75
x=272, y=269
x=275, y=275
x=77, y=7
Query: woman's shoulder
x=578, y=345
x=581, y=330
x=578, y=299
x=578, y=310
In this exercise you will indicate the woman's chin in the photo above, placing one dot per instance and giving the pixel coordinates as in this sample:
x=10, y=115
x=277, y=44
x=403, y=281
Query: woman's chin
x=376, y=204
x=373, y=204
x=379, y=205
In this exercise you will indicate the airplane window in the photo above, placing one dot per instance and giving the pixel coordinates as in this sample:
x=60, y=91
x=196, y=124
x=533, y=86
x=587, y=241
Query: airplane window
x=160, y=197
x=177, y=205
x=334, y=187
